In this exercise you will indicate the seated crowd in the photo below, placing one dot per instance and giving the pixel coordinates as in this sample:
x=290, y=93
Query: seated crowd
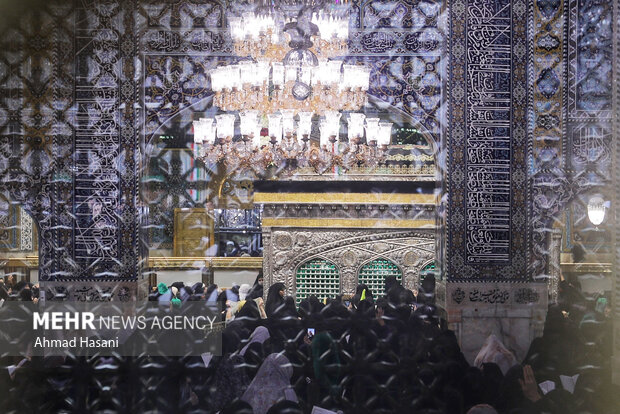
x=377, y=352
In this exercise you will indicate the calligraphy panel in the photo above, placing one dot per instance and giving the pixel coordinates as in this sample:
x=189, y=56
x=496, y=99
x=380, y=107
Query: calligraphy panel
x=487, y=140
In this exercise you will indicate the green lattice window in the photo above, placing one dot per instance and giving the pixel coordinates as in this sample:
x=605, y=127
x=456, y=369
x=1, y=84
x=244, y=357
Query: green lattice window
x=317, y=277
x=373, y=275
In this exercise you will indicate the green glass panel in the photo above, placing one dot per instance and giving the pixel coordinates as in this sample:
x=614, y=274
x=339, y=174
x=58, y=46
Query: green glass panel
x=373, y=275
x=317, y=277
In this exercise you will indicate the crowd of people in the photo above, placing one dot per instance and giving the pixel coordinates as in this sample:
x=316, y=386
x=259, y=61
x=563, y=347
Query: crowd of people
x=10, y=289
x=375, y=352
x=391, y=352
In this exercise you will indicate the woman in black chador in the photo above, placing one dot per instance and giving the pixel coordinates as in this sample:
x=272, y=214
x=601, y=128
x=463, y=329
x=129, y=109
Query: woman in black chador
x=275, y=298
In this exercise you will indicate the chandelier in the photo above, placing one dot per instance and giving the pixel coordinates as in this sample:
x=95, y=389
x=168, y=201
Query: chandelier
x=270, y=87
x=288, y=146
x=288, y=78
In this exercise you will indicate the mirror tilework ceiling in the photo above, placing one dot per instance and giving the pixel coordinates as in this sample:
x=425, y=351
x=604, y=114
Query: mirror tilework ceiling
x=88, y=88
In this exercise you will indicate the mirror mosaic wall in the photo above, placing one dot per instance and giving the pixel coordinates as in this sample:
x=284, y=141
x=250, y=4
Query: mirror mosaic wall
x=98, y=168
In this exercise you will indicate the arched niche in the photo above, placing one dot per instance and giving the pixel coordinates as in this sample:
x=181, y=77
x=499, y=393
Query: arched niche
x=317, y=276
x=374, y=272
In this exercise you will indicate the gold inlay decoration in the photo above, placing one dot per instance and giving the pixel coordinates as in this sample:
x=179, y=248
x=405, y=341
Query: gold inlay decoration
x=347, y=223
x=32, y=262
x=209, y=262
x=191, y=227
x=29, y=262
x=586, y=267
x=353, y=198
x=415, y=170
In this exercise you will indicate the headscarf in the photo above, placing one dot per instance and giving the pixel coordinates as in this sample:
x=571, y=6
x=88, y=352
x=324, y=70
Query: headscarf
x=166, y=296
x=287, y=308
x=257, y=288
x=25, y=295
x=390, y=282
x=260, y=335
x=186, y=292
x=287, y=407
x=162, y=288
x=271, y=384
x=198, y=288
x=231, y=294
x=230, y=381
x=325, y=359
x=482, y=409
x=178, y=285
x=362, y=289
x=211, y=294
x=274, y=300
x=494, y=350
x=244, y=290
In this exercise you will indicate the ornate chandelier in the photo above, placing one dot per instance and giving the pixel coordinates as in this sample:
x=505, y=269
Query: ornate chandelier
x=291, y=74
x=289, y=145
x=272, y=86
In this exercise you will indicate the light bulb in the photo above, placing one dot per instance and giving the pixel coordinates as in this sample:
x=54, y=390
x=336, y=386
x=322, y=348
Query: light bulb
x=305, y=124
x=596, y=210
x=372, y=129
x=356, y=125
x=385, y=133
x=225, y=125
x=275, y=125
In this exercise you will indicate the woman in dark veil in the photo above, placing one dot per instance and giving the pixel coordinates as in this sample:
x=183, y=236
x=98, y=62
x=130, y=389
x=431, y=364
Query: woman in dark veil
x=359, y=292
x=257, y=288
x=275, y=298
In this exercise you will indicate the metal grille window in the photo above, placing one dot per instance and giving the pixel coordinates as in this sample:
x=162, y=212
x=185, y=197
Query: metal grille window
x=373, y=275
x=317, y=277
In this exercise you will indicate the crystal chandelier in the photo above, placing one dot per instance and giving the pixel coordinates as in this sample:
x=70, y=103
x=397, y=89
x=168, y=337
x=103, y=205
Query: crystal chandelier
x=290, y=78
x=288, y=146
x=290, y=67
x=269, y=87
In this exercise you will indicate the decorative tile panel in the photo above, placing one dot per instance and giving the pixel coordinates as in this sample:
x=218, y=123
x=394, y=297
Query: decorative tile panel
x=487, y=140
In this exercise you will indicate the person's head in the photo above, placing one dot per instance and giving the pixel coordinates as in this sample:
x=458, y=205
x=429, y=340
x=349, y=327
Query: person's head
x=25, y=295
x=230, y=245
x=285, y=407
x=244, y=289
x=276, y=290
x=275, y=297
x=390, y=281
x=482, y=409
